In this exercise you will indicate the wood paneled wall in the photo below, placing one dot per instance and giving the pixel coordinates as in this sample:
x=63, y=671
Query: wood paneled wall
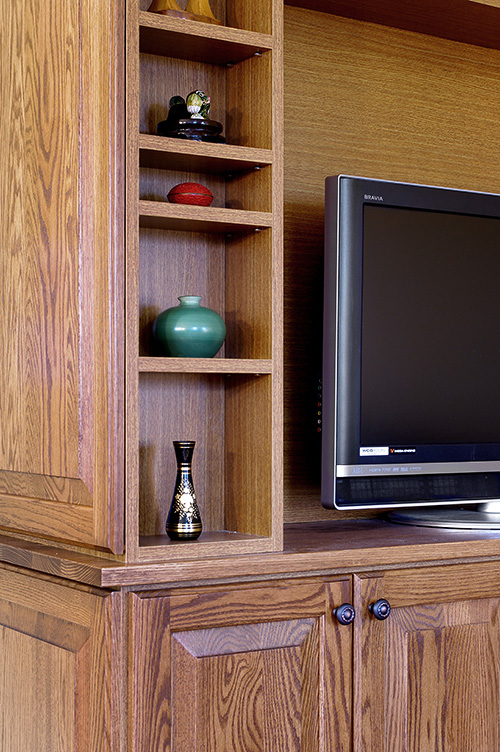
x=368, y=100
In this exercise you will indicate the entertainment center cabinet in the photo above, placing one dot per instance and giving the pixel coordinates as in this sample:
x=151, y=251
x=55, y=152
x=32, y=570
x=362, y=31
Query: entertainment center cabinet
x=112, y=637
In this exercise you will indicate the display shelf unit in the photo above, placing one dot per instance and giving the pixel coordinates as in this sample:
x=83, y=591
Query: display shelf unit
x=230, y=254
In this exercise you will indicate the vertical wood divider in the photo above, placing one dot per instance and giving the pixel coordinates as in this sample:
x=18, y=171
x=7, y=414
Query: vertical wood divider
x=132, y=277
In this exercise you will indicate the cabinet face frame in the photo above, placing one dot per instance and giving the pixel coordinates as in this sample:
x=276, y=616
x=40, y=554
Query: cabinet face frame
x=231, y=253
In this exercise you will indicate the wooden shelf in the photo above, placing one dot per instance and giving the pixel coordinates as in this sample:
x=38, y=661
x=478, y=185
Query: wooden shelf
x=210, y=544
x=163, y=216
x=160, y=152
x=205, y=365
x=203, y=43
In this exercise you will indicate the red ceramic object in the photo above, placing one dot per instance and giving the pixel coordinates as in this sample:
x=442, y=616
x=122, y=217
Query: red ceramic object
x=190, y=193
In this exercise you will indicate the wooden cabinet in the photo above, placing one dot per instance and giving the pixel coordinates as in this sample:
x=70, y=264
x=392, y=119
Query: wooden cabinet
x=427, y=677
x=60, y=684
x=253, y=668
x=61, y=271
x=92, y=251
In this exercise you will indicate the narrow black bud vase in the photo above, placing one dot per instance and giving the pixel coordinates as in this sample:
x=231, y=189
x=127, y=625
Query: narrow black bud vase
x=183, y=521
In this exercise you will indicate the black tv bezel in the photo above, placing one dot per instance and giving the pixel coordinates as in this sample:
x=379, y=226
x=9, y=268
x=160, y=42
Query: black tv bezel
x=345, y=199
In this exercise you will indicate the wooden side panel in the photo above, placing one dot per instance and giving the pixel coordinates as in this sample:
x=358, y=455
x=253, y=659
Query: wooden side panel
x=249, y=670
x=56, y=679
x=249, y=457
x=464, y=20
x=60, y=232
x=366, y=100
x=429, y=676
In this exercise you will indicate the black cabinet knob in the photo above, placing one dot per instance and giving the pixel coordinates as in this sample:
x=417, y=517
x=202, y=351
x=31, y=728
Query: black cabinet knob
x=345, y=614
x=380, y=609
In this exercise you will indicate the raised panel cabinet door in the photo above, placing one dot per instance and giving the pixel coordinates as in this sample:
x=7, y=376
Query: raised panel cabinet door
x=61, y=371
x=251, y=670
x=59, y=687
x=427, y=676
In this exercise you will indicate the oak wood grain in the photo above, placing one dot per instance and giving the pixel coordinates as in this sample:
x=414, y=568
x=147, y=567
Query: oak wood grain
x=260, y=16
x=375, y=101
x=250, y=696
x=242, y=185
x=369, y=651
x=214, y=252
x=149, y=674
x=165, y=216
x=56, y=646
x=428, y=676
x=180, y=407
x=249, y=456
x=194, y=156
x=61, y=373
x=309, y=550
x=458, y=20
x=208, y=610
x=253, y=670
x=206, y=365
x=249, y=85
x=162, y=77
x=132, y=288
x=217, y=45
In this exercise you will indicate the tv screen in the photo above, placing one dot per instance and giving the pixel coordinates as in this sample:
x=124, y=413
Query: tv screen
x=411, y=357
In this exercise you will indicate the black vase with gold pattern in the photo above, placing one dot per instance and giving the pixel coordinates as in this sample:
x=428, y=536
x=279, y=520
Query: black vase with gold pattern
x=184, y=521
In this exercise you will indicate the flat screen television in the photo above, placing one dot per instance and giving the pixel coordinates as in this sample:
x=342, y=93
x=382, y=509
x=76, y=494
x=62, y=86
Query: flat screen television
x=411, y=352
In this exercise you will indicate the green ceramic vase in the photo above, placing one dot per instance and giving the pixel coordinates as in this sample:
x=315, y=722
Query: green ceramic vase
x=189, y=330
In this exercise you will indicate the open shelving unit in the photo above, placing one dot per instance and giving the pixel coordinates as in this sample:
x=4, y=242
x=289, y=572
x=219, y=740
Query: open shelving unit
x=230, y=253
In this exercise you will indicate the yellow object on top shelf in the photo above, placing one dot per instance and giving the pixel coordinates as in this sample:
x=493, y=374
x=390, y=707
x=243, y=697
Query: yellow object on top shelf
x=196, y=10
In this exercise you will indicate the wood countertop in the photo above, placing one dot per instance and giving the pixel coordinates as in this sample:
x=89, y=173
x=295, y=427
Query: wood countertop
x=320, y=548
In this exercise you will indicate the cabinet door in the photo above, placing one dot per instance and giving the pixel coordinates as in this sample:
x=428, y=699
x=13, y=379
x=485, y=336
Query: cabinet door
x=427, y=677
x=60, y=287
x=59, y=688
x=254, y=670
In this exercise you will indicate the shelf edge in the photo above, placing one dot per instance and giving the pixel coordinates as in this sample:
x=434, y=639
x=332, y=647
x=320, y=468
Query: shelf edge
x=207, y=215
x=205, y=365
x=197, y=149
x=186, y=27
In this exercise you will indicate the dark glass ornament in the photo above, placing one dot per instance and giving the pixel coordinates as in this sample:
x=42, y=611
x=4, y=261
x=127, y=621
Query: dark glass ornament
x=184, y=521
